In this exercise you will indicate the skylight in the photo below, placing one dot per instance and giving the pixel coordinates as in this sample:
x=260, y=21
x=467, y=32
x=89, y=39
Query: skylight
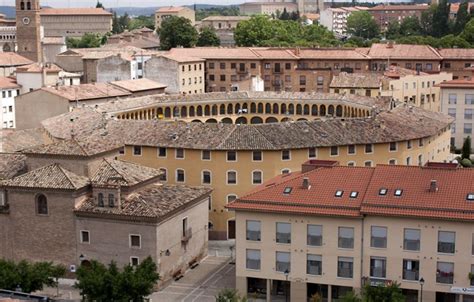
x=383, y=191
x=354, y=194
x=287, y=190
x=470, y=196
x=339, y=193
x=398, y=192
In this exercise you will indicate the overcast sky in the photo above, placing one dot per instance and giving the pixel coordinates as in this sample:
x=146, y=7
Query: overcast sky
x=122, y=3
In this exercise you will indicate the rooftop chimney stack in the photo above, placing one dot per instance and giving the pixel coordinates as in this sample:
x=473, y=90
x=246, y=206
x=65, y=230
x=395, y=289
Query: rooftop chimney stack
x=433, y=185
x=306, y=184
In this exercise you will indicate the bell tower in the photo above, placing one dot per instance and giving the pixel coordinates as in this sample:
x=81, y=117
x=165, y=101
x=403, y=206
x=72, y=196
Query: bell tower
x=28, y=29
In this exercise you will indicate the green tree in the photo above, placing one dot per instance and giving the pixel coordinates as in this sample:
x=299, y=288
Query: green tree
x=229, y=295
x=254, y=31
x=99, y=5
x=410, y=26
x=284, y=15
x=88, y=40
x=468, y=32
x=316, y=34
x=393, y=30
x=362, y=24
x=466, y=148
x=462, y=18
x=208, y=37
x=452, y=41
x=177, y=31
x=383, y=293
x=426, y=20
x=142, y=21
x=441, y=19
x=351, y=297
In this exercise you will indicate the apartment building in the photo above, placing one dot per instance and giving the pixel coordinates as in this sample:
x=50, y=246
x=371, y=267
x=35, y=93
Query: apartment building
x=385, y=14
x=224, y=27
x=458, y=61
x=180, y=74
x=369, y=84
x=266, y=8
x=330, y=229
x=335, y=19
x=416, y=88
x=9, y=89
x=163, y=13
x=457, y=100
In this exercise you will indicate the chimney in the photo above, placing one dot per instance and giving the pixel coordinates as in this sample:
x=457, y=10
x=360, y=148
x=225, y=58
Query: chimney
x=297, y=51
x=306, y=184
x=433, y=185
x=390, y=44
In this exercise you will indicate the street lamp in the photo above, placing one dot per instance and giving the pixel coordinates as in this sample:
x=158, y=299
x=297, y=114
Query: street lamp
x=422, y=282
x=287, y=273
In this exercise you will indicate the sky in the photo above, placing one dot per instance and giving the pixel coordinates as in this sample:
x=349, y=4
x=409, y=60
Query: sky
x=123, y=3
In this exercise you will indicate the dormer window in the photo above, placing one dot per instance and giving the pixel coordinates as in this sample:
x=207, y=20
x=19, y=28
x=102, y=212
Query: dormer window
x=339, y=193
x=100, y=200
x=383, y=191
x=287, y=190
x=354, y=194
x=470, y=197
x=111, y=200
x=398, y=192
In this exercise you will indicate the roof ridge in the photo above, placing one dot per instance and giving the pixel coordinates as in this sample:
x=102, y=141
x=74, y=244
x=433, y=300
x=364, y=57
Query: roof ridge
x=224, y=140
x=67, y=173
x=80, y=146
x=264, y=137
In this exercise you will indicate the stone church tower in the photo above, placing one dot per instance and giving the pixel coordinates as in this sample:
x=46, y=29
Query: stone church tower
x=28, y=29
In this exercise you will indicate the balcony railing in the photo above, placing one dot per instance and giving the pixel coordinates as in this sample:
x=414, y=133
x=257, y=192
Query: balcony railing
x=377, y=272
x=443, y=277
x=188, y=234
x=410, y=275
x=446, y=247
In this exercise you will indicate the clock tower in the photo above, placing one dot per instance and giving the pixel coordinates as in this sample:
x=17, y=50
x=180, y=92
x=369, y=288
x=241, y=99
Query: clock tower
x=28, y=29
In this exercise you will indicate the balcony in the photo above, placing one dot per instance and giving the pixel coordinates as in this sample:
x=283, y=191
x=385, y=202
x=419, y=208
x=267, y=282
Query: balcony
x=444, y=277
x=187, y=235
x=410, y=275
x=377, y=272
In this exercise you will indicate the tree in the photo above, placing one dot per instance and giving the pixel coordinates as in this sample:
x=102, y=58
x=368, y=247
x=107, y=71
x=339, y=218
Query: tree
x=462, y=18
x=88, y=40
x=229, y=295
x=393, y=30
x=351, y=297
x=410, y=26
x=254, y=31
x=383, y=293
x=452, y=41
x=100, y=283
x=99, y=5
x=177, y=31
x=284, y=15
x=362, y=24
x=468, y=32
x=28, y=276
x=208, y=37
x=466, y=148
x=441, y=19
x=141, y=22
x=426, y=20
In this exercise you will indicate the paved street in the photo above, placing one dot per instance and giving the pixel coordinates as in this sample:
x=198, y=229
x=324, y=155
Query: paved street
x=200, y=284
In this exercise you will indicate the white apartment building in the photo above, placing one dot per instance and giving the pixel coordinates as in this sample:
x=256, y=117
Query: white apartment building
x=335, y=19
x=9, y=90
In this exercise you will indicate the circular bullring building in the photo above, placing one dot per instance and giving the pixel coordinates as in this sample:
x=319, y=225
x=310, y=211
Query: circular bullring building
x=234, y=142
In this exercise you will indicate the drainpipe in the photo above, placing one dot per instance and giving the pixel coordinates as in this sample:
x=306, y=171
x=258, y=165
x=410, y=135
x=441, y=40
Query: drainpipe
x=362, y=251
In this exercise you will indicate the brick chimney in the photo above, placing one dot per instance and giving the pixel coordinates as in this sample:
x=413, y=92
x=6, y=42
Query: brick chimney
x=433, y=185
x=315, y=164
x=306, y=184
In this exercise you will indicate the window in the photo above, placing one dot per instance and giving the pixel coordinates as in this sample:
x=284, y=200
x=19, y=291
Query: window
x=283, y=232
x=315, y=235
x=285, y=171
x=452, y=112
x=472, y=272
x=383, y=191
x=302, y=80
x=231, y=198
x=467, y=128
x=206, y=177
x=409, y=145
x=267, y=65
x=253, y=259
x=206, y=155
x=137, y=150
x=320, y=80
x=211, y=65
x=222, y=65
x=41, y=205
x=231, y=156
x=100, y=199
x=411, y=239
x=253, y=65
x=469, y=99
x=85, y=237
x=368, y=163
x=161, y=152
x=222, y=77
x=378, y=237
x=452, y=98
x=392, y=162
x=257, y=177
x=314, y=264
x=470, y=196
x=468, y=114
x=411, y=270
x=253, y=230
x=135, y=241
x=134, y=261
x=351, y=149
x=111, y=200
x=445, y=272
x=369, y=148
x=285, y=155
x=164, y=174
x=334, y=151
x=287, y=190
x=420, y=142
x=211, y=77
x=346, y=238
x=398, y=192
x=345, y=267
x=180, y=175
x=429, y=66
x=179, y=154
x=287, y=66
x=339, y=193
x=283, y=262
x=257, y=155
x=312, y=152
x=231, y=177
x=446, y=242
x=378, y=267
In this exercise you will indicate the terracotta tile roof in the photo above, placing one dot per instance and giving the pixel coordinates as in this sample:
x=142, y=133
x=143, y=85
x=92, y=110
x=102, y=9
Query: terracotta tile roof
x=38, y=68
x=170, y=9
x=154, y=201
x=85, y=92
x=49, y=177
x=123, y=173
x=457, y=84
x=383, y=7
x=8, y=83
x=274, y=53
x=76, y=11
x=13, y=59
x=403, y=52
x=226, y=18
x=398, y=72
x=139, y=85
x=16, y=140
x=11, y=165
x=456, y=53
x=215, y=53
x=62, y=147
x=357, y=80
x=448, y=199
x=180, y=58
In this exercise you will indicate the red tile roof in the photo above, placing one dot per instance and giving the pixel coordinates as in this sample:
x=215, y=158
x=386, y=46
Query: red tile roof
x=74, y=11
x=448, y=201
x=8, y=83
x=383, y=7
x=457, y=84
